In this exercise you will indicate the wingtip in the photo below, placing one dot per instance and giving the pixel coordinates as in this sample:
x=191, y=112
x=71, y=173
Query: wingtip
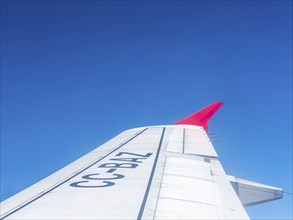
x=201, y=117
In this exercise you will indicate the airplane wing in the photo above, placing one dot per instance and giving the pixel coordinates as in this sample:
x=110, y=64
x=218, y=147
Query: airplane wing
x=155, y=172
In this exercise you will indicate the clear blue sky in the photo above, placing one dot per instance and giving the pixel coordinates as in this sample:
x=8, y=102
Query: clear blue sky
x=74, y=74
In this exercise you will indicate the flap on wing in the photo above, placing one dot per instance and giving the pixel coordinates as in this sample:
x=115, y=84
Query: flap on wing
x=253, y=193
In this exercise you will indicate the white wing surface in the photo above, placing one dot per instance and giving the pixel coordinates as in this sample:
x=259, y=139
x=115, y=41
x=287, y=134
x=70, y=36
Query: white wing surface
x=157, y=172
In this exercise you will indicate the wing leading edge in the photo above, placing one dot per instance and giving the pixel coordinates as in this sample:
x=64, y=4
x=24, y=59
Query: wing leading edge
x=156, y=172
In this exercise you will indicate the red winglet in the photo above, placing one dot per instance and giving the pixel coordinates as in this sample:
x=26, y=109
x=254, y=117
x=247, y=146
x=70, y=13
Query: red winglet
x=201, y=117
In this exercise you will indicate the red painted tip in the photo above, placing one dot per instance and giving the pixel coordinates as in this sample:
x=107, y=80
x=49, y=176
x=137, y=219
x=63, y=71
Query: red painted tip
x=201, y=117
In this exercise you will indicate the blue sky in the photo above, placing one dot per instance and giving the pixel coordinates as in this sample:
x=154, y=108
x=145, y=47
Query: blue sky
x=76, y=73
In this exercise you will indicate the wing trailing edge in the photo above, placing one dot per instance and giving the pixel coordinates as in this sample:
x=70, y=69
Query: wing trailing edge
x=201, y=117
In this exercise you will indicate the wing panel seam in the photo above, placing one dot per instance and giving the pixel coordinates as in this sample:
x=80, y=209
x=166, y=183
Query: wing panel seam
x=140, y=214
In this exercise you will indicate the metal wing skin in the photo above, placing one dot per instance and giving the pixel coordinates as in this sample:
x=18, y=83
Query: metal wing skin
x=156, y=172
